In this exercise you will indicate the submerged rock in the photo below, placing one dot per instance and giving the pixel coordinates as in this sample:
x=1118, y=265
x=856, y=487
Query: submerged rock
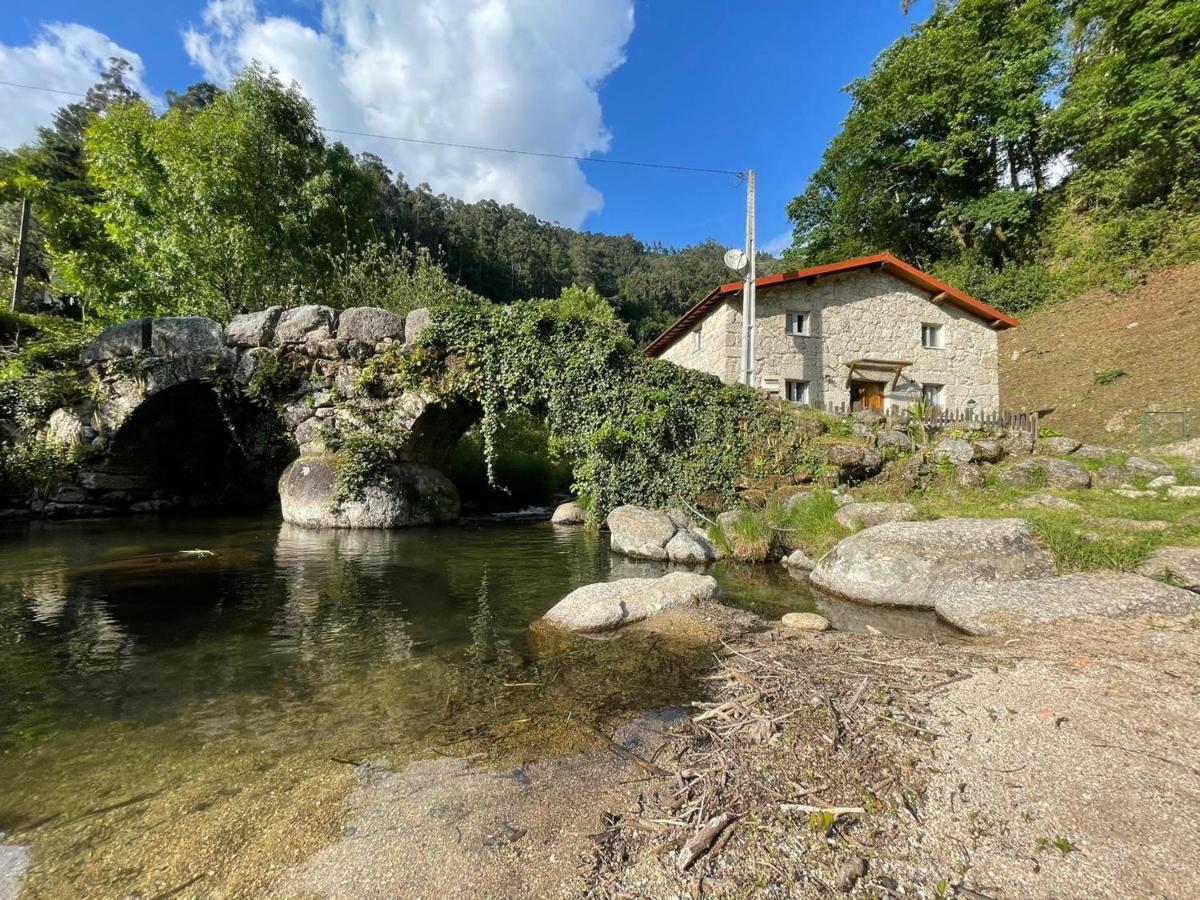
x=997, y=607
x=867, y=515
x=611, y=604
x=569, y=513
x=1179, y=566
x=640, y=533
x=406, y=494
x=899, y=563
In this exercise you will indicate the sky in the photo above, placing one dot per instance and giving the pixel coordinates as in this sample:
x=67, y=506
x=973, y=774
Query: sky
x=726, y=85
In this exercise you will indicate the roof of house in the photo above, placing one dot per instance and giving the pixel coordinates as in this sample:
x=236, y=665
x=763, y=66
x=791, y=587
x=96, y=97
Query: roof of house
x=879, y=261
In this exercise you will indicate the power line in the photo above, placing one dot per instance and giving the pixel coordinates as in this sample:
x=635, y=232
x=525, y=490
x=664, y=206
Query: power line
x=458, y=146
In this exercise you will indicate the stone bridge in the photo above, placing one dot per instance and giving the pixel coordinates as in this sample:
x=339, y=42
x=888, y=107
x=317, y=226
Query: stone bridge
x=182, y=413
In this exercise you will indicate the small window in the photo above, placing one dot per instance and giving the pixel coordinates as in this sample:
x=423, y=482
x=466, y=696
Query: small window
x=797, y=323
x=698, y=339
x=931, y=336
x=931, y=394
x=797, y=391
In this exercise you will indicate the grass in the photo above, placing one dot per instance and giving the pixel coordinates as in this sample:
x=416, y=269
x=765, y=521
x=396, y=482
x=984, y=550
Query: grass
x=1075, y=538
x=755, y=534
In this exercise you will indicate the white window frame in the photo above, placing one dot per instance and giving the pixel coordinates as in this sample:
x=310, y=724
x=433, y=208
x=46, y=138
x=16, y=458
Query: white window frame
x=804, y=318
x=936, y=333
x=936, y=389
x=795, y=390
x=698, y=339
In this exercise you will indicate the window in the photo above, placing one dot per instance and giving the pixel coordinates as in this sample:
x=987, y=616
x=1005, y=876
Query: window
x=931, y=394
x=797, y=391
x=797, y=323
x=698, y=338
x=931, y=336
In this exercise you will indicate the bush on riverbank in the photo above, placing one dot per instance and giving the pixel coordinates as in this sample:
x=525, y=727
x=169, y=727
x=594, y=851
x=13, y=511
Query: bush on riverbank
x=635, y=430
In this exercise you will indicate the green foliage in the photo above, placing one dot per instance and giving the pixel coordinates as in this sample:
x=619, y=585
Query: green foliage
x=1077, y=551
x=524, y=472
x=582, y=303
x=33, y=468
x=635, y=430
x=38, y=359
x=1016, y=164
x=221, y=209
x=1108, y=376
x=395, y=278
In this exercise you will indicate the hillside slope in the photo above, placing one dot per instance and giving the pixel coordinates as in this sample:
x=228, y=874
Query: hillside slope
x=1151, y=334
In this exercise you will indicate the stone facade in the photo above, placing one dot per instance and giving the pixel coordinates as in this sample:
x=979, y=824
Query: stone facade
x=856, y=315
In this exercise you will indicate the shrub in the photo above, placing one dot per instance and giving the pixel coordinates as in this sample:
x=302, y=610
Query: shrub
x=1108, y=376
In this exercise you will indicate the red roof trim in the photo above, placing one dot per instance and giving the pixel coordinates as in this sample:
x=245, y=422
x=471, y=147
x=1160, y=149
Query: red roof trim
x=884, y=261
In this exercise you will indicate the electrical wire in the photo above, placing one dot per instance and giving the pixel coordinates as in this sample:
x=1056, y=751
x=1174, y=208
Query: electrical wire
x=451, y=144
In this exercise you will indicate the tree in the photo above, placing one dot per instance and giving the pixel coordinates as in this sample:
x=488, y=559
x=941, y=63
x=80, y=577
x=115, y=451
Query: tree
x=230, y=207
x=945, y=148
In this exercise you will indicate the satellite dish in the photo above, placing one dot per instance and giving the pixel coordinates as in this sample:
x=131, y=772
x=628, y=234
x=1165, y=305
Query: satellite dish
x=736, y=260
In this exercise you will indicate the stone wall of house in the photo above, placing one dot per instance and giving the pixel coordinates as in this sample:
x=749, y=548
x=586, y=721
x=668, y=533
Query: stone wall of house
x=719, y=350
x=856, y=315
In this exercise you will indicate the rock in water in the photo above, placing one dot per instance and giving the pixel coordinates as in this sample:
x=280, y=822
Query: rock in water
x=611, y=604
x=805, y=621
x=690, y=548
x=867, y=515
x=569, y=513
x=899, y=563
x=1179, y=566
x=640, y=533
x=406, y=494
x=998, y=607
x=798, y=559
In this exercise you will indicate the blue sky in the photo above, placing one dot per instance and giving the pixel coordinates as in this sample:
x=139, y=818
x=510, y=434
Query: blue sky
x=725, y=85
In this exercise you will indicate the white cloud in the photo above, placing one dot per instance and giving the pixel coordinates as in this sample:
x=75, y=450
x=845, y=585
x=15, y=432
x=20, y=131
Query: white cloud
x=779, y=243
x=63, y=57
x=502, y=73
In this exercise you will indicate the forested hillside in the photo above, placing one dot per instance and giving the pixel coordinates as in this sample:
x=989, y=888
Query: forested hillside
x=232, y=200
x=1024, y=151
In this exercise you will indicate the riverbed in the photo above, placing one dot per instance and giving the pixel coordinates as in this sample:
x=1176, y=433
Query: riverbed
x=189, y=698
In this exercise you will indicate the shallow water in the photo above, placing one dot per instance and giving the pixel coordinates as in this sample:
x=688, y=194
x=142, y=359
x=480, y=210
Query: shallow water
x=182, y=696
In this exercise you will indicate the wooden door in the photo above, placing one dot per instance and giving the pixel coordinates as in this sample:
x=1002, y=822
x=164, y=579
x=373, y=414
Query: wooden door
x=866, y=395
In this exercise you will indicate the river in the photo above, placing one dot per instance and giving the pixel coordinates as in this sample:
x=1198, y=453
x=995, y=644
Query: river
x=185, y=694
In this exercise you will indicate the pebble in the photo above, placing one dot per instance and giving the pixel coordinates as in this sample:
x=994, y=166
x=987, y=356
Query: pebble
x=805, y=621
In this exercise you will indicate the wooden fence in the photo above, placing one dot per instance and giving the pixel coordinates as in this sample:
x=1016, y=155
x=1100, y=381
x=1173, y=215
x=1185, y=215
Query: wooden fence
x=937, y=417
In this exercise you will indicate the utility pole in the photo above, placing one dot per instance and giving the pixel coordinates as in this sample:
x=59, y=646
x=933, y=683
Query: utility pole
x=22, y=239
x=749, y=301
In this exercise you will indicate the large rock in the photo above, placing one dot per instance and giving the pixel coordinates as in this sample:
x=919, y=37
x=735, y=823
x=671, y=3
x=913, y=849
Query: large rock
x=1184, y=492
x=1144, y=466
x=997, y=607
x=799, y=560
x=569, y=513
x=898, y=564
x=640, y=533
x=894, y=440
x=988, y=451
x=370, y=325
x=296, y=324
x=406, y=494
x=255, y=329
x=117, y=341
x=1179, y=566
x=690, y=548
x=954, y=449
x=186, y=336
x=854, y=461
x=868, y=515
x=414, y=323
x=612, y=604
x=1047, y=470
x=1061, y=446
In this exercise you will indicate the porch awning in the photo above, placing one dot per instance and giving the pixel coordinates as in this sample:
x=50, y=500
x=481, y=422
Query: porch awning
x=894, y=366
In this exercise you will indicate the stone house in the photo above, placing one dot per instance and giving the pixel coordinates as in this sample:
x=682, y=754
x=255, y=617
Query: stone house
x=870, y=332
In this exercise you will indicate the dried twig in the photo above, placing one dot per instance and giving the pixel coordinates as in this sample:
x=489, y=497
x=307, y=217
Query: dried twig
x=697, y=845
